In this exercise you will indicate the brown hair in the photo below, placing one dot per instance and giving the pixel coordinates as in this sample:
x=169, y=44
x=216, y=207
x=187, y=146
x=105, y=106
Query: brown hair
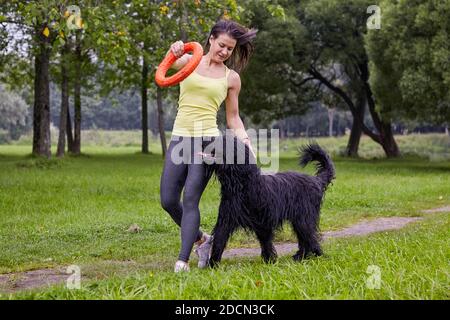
x=244, y=47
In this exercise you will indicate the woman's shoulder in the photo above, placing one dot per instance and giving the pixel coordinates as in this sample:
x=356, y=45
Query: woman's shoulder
x=233, y=73
x=234, y=79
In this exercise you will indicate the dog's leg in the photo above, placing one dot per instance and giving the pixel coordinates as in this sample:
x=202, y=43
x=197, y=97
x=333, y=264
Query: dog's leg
x=221, y=235
x=268, y=252
x=308, y=242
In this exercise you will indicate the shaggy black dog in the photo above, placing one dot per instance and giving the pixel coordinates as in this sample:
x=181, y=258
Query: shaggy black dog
x=261, y=203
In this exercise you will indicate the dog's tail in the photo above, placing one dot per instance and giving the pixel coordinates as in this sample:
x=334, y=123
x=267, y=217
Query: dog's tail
x=325, y=167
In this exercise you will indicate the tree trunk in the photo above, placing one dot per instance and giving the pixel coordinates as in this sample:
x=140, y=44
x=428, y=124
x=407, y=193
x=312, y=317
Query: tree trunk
x=355, y=137
x=161, y=121
x=386, y=139
x=69, y=132
x=388, y=142
x=144, y=106
x=64, y=103
x=386, y=136
x=330, y=121
x=41, y=108
x=357, y=126
x=77, y=96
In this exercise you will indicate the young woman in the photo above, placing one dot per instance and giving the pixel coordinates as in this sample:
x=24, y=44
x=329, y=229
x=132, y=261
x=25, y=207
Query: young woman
x=216, y=79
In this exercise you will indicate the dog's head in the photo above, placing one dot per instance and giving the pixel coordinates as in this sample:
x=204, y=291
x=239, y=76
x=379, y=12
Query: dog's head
x=231, y=157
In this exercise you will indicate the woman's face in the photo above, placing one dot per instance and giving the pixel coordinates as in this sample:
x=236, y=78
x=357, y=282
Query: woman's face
x=221, y=47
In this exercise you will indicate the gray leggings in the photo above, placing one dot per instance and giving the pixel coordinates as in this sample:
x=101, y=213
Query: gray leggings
x=182, y=168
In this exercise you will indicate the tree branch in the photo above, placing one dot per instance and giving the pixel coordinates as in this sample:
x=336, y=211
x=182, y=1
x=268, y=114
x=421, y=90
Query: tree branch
x=347, y=100
x=317, y=75
x=301, y=82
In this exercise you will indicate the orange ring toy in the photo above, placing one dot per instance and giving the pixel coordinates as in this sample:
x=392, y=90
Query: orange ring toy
x=183, y=73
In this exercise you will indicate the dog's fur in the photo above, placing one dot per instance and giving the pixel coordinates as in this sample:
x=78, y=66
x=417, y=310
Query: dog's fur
x=262, y=203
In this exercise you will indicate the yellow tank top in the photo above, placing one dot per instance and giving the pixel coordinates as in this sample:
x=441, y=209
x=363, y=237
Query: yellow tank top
x=198, y=104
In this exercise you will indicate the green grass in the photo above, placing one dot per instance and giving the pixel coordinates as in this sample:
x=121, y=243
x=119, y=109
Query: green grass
x=77, y=211
x=412, y=264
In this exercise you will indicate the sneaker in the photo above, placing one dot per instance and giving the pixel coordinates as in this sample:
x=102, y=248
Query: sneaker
x=181, y=266
x=203, y=251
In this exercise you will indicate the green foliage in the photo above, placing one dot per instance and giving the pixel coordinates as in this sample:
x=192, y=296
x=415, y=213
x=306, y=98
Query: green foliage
x=269, y=89
x=336, y=28
x=148, y=28
x=324, y=35
x=410, y=60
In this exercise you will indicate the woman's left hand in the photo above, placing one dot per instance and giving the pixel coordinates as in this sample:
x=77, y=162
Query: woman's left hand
x=248, y=143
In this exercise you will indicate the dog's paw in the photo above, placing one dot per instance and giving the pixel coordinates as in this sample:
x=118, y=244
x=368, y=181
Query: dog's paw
x=212, y=264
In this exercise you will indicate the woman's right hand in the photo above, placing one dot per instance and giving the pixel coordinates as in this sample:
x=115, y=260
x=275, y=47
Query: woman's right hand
x=177, y=49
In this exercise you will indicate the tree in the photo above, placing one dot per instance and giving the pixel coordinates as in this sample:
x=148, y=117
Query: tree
x=40, y=25
x=336, y=35
x=270, y=87
x=410, y=71
x=64, y=100
x=102, y=42
x=138, y=27
x=302, y=56
x=152, y=26
x=331, y=48
x=45, y=27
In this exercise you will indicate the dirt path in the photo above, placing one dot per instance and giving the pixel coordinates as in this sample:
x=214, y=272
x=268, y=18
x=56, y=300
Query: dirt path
x=360, y=229
x=14, y=282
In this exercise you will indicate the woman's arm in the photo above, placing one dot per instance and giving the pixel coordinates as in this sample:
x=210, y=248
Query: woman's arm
x=234, y=121
x=180, y=62
x=182, y=58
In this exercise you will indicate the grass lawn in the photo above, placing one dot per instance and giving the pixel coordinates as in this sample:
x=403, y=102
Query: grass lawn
x=77, y=211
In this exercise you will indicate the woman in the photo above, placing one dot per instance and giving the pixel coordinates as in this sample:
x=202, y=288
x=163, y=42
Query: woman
x=216, y=79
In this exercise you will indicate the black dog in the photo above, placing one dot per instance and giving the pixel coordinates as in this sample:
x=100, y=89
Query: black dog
x=262, y=203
